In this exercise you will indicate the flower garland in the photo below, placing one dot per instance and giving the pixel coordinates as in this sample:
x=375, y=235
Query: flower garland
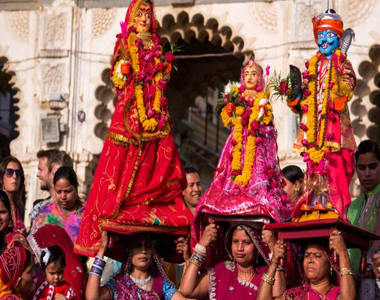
x=246, y=116
x=334, y=98
x=155, y=118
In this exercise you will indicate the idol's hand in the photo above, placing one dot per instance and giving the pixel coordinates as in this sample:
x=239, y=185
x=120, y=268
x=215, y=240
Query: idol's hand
x=209, y=235
x=262, y=104
x=376, y=265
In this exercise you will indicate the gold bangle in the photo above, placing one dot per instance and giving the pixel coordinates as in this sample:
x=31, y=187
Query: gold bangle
x=266, y=276
x=267, y=281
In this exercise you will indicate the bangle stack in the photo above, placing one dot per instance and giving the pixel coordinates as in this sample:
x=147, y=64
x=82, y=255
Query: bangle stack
x=345, y=271
x=98, y=266
x=199, y=255
x=268, y=279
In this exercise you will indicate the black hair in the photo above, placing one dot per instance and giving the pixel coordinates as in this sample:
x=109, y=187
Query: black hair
x=189, y=170
x=67, y=173
x=292, y=173
x=368, y=146
x=56, y=255
x=5, y=199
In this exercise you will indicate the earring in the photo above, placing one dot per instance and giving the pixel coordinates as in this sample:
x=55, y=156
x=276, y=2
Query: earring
x=10, y=225
x=331, y=270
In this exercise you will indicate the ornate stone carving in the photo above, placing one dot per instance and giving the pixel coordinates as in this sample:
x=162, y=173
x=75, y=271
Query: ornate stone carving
x=266, y=15
x=357, y=11
x=55, y=31
x=102, y=20
x=52, y=78
x=18, y=22
x=304, y=28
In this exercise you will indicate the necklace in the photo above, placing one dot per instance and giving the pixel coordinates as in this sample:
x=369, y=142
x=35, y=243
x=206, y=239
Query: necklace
x=141, y=282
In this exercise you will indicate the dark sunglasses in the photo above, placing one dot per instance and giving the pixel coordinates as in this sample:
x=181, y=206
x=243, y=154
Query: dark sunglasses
x=9, y=172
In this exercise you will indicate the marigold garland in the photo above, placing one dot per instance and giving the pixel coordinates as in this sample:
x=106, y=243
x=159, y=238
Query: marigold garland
x=242, y=174
x=118, y=78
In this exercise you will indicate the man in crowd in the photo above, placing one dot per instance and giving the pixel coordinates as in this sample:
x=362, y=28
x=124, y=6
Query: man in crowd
x=194, y=189
x=49, y=161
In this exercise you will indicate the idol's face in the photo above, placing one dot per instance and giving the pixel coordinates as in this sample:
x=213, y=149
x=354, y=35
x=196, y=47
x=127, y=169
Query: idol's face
x=328, y=41
x=144, y=18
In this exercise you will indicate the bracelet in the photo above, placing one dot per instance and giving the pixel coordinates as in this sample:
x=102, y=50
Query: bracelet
x=270, y=278
x=200, y=249
x=99, y=261
x=97, y=267
x=344, y=269
x=280, y=268
x=267, y=281
x=345, y=272
x=197, y=259
x=194, y=262
x=96, y=272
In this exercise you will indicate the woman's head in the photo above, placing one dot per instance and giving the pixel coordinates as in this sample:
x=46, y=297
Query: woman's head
x=293, y=177
x=5, y=212
x=16, y=271
x=368, y=164
x=252, y=76
x=315, y=263
x=53, y=264
x=66, y=187
x=243, y=245
x=141, y=252
x=12, y=178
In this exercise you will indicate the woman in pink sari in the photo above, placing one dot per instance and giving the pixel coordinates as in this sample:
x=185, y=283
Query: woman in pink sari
x=319, y=272
x=239, y=277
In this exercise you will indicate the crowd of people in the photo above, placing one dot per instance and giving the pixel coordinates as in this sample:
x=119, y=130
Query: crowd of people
x=48, y=244
x=140, y=207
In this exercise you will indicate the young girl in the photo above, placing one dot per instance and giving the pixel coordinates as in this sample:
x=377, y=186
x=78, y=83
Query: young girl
x=52, y=286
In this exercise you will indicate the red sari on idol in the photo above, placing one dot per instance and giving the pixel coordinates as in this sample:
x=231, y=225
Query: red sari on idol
x=139, y=179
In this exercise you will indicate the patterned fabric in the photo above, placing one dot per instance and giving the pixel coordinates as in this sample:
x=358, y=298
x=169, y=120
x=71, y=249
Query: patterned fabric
x=42, y=290
x=36, y=208
x=139, y=179
x=122, y=287
x=52, y=213
x=305, y=292
x=49, y=235
x=12, y=264
x=225, y=285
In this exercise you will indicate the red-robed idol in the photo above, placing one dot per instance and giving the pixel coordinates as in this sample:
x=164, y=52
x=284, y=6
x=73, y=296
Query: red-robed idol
x=139, y=180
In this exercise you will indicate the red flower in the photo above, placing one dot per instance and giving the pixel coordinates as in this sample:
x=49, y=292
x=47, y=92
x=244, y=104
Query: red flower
x=331, y=84
x=169, y=56
x=270, y=172
x=267, y=70
x=161, y=123
x=305, y=108
x=259, y=89
x=306, y=156
x=234, y=142
x=254, y=125
x=274, y=184
x=139, y=43
x=303, y=127
x=307, y=64
x=304, y=142
x=327, y=154
x=305, y=74
x=259, y=140
x=156, y=39
x=235, y=173
x=241, y=89
x=306, y=92
x=250, y=103
x=283, y=87
x=151, y=113
x=161, y=84
x=164, y=101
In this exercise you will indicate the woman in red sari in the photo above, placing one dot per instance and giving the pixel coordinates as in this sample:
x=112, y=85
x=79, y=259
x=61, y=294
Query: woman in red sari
x=12, y=238
x=16, y=274
x=139, y=180
x=50, y=235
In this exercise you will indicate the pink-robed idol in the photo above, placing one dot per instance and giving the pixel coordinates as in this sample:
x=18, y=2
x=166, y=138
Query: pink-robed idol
x=247, y=181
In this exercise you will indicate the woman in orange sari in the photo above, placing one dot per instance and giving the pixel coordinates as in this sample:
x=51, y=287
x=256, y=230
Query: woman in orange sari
x=139, y=180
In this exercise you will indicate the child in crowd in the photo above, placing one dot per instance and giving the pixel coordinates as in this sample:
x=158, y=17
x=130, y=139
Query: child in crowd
x=52, y=286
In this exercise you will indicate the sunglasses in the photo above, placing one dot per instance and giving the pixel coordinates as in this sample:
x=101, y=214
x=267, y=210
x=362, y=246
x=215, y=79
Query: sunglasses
x=9, y=172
